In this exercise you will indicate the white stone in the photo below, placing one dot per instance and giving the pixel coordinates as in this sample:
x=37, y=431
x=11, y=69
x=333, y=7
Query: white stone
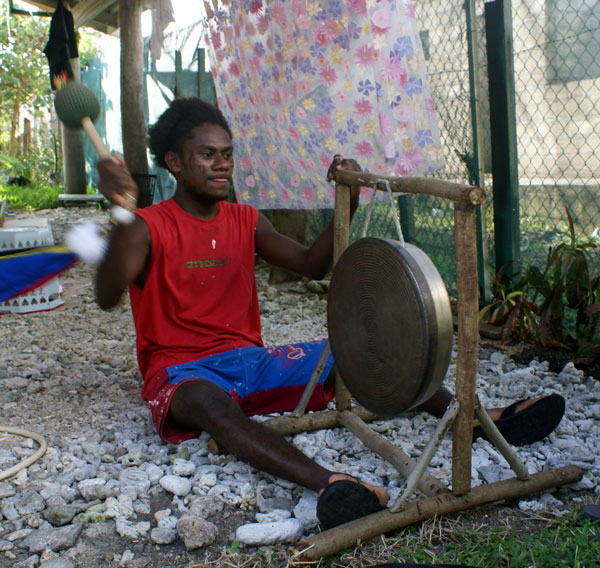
x=273, y=516
x=196, y=532
x=134, y=481
x=306, y=509
x=92, y=489
x=132, y=530
x=177, y=485
x=208, y=479
x=153, y=472
x=289, y=530
x=183, y=467
x=163, y=535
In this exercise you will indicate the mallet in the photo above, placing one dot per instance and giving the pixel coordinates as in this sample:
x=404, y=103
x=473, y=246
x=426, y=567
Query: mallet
x=77, y=106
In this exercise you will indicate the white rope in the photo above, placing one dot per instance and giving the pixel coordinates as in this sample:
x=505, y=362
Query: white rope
x=394, y=210
x=369, y=211
x=27, y=461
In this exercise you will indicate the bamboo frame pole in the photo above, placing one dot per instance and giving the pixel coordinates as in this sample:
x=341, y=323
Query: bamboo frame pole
x=500, y=442
x=461, y=193
x=347, y=535
x=314, y=379
x=428, y=484
x=288, y=424
x=468, y=337
x=341, y=219
x=412, y=481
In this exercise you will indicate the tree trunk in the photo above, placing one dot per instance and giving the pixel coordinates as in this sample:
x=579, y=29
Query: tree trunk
x=14, y=123
x=26, y=135
x=293, y=223
x=133, y=122
x=72, y=148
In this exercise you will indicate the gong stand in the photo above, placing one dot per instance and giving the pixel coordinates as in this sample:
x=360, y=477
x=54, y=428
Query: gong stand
x=438, y=499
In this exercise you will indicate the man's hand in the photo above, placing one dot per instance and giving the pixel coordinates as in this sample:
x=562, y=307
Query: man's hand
x=340, y=163
x=116, y=183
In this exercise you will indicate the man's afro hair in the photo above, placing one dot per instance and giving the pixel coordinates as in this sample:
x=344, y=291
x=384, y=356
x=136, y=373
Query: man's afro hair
x=175, y=125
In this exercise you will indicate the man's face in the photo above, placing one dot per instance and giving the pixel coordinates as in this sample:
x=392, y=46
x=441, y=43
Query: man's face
x=205, y=166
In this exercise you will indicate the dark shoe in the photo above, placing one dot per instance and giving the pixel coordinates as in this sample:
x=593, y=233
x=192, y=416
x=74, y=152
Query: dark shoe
x=344, y=501
x=592, y=512
x=529, y=425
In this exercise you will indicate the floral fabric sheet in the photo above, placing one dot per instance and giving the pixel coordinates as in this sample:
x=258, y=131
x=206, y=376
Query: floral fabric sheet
x=300, y=81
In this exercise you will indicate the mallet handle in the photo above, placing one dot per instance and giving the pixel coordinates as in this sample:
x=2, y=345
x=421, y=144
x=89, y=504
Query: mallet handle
x=90, y=130
x=118, y=213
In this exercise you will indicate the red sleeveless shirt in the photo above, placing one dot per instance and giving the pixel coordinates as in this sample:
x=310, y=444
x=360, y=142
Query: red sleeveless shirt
x=199, y=297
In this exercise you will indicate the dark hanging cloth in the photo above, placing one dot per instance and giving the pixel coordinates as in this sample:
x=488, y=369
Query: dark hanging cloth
x=61, y=46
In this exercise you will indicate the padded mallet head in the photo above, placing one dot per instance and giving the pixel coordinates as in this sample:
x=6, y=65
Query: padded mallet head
x=74, y=102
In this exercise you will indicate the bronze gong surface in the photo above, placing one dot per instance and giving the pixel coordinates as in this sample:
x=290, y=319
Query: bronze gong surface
x=390, y=325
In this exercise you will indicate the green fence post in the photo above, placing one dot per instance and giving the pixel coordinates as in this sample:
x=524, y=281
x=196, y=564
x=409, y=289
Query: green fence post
x=206, y=84
x=406, y=211
x=498, y=27
x=476, y=172
x=179, y=89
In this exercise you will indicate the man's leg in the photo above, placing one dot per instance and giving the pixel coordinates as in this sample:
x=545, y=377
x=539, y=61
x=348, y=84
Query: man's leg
x=437, y=404
x=202, y=405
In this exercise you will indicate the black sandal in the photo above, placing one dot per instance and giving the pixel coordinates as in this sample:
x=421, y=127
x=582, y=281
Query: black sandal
x=529, y=425
x=344, y=501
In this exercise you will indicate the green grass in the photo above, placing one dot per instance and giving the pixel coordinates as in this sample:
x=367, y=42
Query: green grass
x=567, y=541
x=571, y=549
x=32, y=197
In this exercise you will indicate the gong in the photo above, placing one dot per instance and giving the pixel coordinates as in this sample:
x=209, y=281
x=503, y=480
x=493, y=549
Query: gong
x=390, y=325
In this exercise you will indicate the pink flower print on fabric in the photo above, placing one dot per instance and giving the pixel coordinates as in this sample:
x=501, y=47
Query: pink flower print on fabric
x=364, y=55
x=303, y=22
x=410, y=161
x=328, y=75
x=381, y=20
x=385, y=123
x=358, y=7
x=363, y=149
x=322, y=123
x=363, y=107
x=244, y=163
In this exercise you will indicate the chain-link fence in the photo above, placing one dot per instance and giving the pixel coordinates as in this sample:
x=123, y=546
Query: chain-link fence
x=557, y=86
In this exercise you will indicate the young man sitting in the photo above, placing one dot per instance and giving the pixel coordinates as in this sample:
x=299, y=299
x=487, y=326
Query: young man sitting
x=188, y=263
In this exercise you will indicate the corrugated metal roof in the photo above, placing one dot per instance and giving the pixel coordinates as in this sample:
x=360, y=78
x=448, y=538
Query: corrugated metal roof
x=102, y=15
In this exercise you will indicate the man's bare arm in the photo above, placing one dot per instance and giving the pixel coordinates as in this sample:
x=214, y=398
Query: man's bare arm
x=313, y=261
x=129, y=244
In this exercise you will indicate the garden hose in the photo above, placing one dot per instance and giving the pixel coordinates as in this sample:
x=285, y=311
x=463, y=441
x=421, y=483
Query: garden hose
x=29, y=460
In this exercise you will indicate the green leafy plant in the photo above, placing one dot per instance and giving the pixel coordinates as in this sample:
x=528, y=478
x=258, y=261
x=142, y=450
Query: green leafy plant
x=510, y=308
x=31, y=197
x=558, y=306
x=11, y=167
x=568, y=282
